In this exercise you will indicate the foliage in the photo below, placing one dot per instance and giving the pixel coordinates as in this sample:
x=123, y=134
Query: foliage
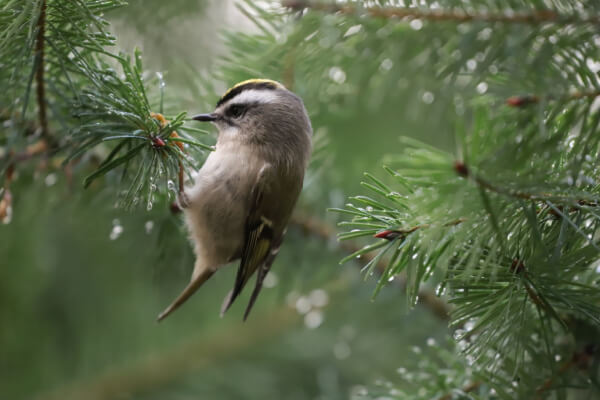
x=507, y=224
x=94, y=109
x=490, y=196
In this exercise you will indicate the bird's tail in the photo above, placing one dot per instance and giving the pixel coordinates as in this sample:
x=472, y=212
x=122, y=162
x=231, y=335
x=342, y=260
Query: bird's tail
x=191, y=288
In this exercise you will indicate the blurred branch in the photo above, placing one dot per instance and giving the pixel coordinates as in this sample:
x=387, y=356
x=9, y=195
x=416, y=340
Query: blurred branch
x=159, y=369
x=324, y=231
x=534, y=17
x=162, y=368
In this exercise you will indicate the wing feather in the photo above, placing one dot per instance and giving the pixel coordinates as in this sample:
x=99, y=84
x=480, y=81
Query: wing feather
x=257, y=244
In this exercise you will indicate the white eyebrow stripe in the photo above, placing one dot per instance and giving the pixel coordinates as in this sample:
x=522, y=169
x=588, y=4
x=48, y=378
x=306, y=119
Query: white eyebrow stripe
x=253, y=96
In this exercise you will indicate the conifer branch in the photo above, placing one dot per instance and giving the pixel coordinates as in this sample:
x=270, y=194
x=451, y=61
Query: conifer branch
x=322, y=230
x=534, y=17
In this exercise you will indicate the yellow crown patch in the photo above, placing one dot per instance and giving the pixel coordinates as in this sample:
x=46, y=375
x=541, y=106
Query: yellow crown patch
x=249, y=83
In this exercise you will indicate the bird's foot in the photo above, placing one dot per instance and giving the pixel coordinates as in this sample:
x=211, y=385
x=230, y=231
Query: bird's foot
x=183, y=200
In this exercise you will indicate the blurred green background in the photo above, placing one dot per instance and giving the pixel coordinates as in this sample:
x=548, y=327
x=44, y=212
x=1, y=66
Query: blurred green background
x=81, y=281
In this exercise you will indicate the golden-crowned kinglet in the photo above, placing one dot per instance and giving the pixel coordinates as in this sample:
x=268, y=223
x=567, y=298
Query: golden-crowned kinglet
x=243, y=195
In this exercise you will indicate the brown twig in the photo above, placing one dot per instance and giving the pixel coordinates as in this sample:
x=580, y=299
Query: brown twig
x=534, y=17
x=470, y=387
x=462, y=170
x=391, y=234
x=39, y=73
x=580, y=359
x=324, y=231
x=528, y=99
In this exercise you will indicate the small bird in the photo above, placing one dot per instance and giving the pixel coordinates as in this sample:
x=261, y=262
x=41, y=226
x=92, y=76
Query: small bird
x=244, y=194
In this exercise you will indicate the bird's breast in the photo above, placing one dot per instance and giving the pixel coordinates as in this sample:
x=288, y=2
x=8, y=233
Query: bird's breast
x=218, y=203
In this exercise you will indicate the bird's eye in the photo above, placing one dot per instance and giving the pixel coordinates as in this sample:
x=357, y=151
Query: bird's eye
x=236, y=110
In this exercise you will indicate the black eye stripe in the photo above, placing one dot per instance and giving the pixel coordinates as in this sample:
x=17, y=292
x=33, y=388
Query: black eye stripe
x=236, y=110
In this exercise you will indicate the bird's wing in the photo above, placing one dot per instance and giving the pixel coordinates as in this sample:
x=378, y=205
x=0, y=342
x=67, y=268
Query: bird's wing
x=258, y=243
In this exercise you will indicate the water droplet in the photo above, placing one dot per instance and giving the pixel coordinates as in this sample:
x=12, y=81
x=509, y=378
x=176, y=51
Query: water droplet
x=354, y=29
x=171, y=185
x=484, y=34
x=482, y=87
x=318, y=298
x=149, y=205
x=469, y=325
x=471, y=65
x=148, y=226
x=386, y=64
x=116, y=231
x=341, y=350
x=431, y=342
x=593, y=65
x=313, y=319
x=303, y=305
x=50, y=179
x=337, y=75
x=416, y=24
x=358, y=391
x=440, y=290
x=271, y=280
x=428, y=97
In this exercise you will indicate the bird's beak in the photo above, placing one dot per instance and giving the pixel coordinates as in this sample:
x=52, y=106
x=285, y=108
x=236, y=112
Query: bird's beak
x=205, y=117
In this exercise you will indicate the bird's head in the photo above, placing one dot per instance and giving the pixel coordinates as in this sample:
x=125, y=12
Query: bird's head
x=261, y=112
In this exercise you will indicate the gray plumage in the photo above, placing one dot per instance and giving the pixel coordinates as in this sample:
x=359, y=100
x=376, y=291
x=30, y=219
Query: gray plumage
x=244, y=194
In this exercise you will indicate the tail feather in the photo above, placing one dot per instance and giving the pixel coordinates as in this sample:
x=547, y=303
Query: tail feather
x=227, y=301
x=253, y=298
x=187, y=292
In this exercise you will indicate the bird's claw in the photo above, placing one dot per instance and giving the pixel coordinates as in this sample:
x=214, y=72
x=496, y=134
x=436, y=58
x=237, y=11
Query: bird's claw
x=183, y=201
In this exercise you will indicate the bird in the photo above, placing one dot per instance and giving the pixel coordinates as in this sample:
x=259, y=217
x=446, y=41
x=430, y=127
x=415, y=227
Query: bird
x=242, y=197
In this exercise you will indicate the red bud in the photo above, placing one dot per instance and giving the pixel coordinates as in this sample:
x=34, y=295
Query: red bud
x=158, y=142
